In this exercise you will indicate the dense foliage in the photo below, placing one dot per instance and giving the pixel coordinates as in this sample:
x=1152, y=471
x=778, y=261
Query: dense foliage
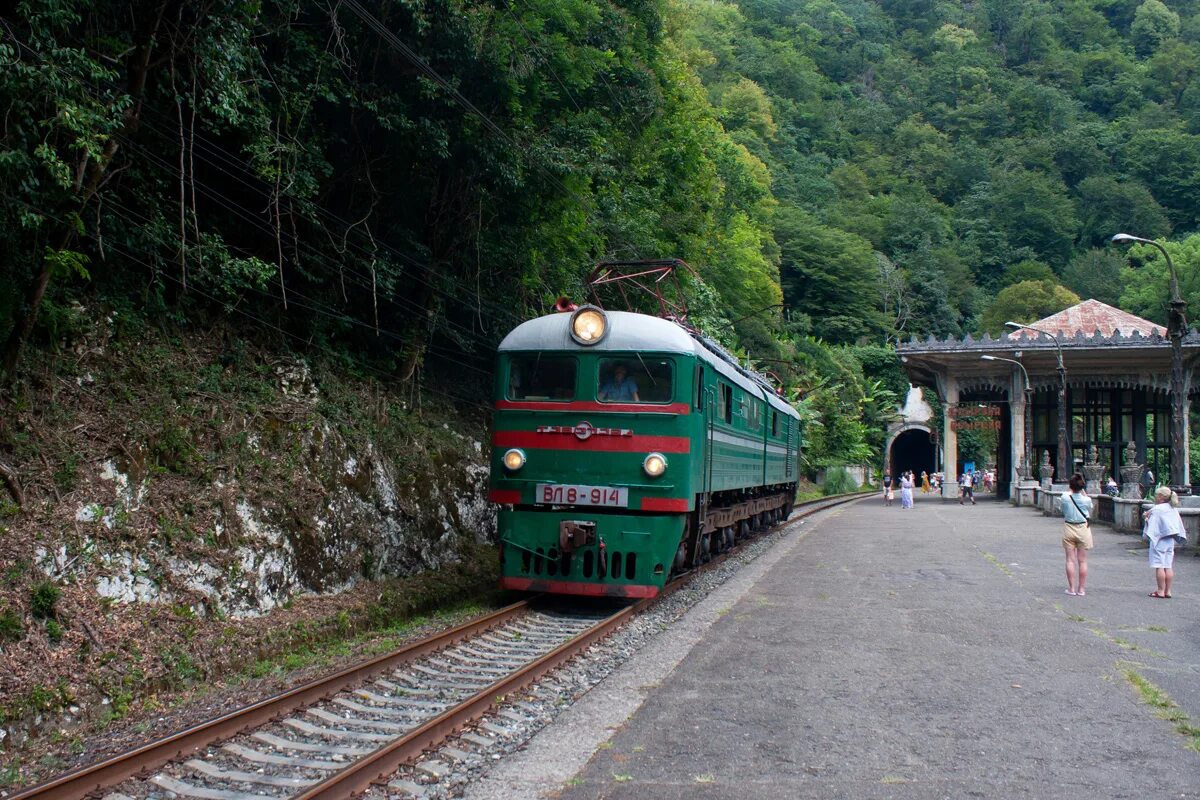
x=400, y=183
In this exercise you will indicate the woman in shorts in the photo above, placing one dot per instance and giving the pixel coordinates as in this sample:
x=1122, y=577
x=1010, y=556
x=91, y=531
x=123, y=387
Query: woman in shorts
x=1163, y=528
x=1077, y=534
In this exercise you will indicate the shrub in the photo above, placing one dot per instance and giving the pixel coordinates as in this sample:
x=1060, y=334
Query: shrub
x=41, y=602
x=838, y=481
x=54, y=631
x=11, y=629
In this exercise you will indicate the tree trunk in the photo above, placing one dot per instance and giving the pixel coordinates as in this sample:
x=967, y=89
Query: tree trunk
x=95, y=171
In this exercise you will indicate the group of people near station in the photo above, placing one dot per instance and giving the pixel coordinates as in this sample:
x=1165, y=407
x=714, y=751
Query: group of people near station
x=1162, y=527
x=932, y=482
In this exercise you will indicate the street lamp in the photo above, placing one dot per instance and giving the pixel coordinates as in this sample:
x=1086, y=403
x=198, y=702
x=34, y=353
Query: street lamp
x=1027, y=463
x=1176, y=329
x=1064, y=453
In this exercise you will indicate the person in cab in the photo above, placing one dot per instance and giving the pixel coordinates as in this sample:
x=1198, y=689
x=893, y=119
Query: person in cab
x=620, y=388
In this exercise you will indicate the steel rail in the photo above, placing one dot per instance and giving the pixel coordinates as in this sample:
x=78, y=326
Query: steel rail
x=358, y=776
x=93, y=777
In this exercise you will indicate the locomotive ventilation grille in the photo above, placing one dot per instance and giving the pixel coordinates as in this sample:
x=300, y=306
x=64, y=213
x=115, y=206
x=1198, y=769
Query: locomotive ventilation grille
x=586, y=565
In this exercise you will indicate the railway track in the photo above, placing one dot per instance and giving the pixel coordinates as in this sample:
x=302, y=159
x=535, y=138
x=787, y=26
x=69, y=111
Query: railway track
x=336, y=736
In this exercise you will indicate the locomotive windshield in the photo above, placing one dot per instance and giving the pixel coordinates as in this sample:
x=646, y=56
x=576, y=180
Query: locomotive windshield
x=538, y=377
x=635, y=380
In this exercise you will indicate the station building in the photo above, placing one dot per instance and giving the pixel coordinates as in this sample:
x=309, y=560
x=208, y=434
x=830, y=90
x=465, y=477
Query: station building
x=1118, y=375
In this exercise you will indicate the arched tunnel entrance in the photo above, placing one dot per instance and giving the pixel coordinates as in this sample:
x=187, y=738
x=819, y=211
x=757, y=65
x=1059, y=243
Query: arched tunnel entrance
x=913, y=450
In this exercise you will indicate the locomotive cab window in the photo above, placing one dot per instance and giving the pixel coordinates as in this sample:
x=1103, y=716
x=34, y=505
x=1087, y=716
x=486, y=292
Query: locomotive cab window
x=635, y=380
x=538, y=377
x=774, y=423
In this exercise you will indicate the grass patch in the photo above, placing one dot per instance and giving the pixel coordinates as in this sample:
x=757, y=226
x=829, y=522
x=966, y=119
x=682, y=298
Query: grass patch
x=622, y=778
x=995, y=562
x=11, y=627
x=704, y=779
x=1164, y=707
x=43, y=599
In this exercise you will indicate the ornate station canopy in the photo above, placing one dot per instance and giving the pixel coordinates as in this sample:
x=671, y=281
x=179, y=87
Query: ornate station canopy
x=1118, y=371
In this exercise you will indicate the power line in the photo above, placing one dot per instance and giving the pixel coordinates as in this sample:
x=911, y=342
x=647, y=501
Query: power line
x=308, y=343
x=217, y=153
x=408, y=53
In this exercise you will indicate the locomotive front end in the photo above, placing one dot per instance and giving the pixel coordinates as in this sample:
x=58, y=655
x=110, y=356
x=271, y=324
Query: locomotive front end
x=591, y=452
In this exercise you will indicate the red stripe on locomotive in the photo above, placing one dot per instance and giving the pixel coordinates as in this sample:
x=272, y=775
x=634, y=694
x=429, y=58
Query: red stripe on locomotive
x=664, y=504
x=570, y=587
x=605, y=444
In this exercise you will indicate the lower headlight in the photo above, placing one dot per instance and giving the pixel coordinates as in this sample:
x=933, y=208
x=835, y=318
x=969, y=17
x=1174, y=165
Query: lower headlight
x=655, y=464
x=514, y=459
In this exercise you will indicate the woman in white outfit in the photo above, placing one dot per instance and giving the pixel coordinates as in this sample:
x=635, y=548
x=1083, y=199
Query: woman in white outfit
x=906, y=490
x=1164, y=527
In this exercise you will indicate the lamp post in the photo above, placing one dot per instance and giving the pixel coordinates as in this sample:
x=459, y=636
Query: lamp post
x=1026, y=462
x=1064, y=452
x=1176, y=328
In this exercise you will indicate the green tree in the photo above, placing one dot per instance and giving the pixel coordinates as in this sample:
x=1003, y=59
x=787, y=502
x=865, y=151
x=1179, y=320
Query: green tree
x=829, y=275
x=1027, y=301
x=1153, y=24
x=1147, y=286
x=1096, y=274
x=1112, y=206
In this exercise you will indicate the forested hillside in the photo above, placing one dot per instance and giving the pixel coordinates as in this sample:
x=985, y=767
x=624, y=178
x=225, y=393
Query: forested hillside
x=394, y=185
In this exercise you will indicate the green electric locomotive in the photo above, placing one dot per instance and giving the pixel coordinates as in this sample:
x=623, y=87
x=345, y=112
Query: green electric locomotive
x=627, y=447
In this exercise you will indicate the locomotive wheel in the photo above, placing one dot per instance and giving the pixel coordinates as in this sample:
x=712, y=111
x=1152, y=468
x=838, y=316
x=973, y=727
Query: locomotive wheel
x=680, y=557
x=728, y=538
x=705, y=545
x=744, y=528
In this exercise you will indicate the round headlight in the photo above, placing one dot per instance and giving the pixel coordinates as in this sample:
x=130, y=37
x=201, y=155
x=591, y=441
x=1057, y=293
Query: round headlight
x=655, y=464
x=588, y=325
x=514, y=459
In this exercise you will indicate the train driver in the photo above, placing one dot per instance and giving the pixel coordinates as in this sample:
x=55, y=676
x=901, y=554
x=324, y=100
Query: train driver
x=620, y=388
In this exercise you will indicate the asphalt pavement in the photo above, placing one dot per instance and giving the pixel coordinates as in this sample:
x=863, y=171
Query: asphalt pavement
x=880, y=652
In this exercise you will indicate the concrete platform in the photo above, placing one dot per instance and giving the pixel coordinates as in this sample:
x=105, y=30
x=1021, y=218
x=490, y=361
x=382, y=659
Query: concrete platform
x=883, y=653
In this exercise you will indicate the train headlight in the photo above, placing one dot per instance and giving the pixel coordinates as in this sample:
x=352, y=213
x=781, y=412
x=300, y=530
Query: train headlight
x=588, y=325
x=514, y=459
x=655, y=464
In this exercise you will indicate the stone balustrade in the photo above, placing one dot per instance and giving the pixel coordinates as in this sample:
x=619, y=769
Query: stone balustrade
x=1123, y=514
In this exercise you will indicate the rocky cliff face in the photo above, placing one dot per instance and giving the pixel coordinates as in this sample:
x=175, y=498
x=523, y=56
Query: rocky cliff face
x=175, y=486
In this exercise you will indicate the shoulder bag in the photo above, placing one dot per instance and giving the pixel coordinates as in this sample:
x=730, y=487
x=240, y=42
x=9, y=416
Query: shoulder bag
x=1086, y=522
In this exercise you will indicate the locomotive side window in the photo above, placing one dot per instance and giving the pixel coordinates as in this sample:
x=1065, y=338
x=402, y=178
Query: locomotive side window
x=636, y=380
x=699, y=388
x=775, y=423
x=725, y=402
x=538, y=377
x=752, y=413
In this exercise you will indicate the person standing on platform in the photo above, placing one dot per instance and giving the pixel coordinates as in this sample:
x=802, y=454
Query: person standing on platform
x=906, y=490
x=1077, y=533
x=924, y=482
x=966, y=486
x=887, y=490
x=1164, y=527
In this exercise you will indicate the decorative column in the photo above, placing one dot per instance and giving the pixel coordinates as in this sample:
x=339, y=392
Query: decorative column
x=1046, y=471
x=1131, y=474
x=949, y=438
x=1016, y=418
x=1093, y=471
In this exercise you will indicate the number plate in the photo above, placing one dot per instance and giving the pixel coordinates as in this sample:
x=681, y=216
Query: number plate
x=566, y=494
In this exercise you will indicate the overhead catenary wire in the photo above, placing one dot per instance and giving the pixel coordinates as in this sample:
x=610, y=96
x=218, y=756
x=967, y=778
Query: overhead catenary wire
x=412, y=57
x=307, y=342
x=249, y=215
x=311, y=304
